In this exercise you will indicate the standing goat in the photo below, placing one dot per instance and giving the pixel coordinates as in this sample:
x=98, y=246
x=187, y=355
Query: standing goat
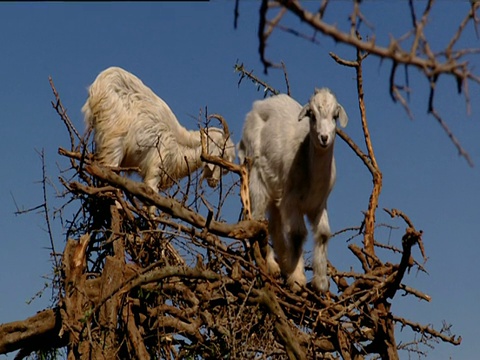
x=292, y=174
x=135, y=128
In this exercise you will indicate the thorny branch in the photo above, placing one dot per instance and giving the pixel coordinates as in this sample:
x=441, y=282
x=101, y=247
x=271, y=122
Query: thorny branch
x=255, y=80
x=369, y=158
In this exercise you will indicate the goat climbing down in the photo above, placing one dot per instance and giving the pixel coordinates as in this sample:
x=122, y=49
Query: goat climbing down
x=292, y=174
x=133, y=127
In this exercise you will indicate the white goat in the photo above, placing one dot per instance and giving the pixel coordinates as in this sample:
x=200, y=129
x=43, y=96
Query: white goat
x=292, y=174
x=135, y=128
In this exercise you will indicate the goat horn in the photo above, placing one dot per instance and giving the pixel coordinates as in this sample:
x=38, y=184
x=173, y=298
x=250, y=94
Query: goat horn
x=222, y=120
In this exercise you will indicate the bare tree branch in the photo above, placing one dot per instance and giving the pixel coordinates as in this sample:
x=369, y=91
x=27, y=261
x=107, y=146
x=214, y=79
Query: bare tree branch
x=449, y=62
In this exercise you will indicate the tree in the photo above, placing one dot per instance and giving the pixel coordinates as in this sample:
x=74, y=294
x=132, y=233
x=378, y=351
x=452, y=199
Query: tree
x=187, y=285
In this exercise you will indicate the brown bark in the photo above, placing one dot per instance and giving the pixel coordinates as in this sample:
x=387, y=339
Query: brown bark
x=32, y=333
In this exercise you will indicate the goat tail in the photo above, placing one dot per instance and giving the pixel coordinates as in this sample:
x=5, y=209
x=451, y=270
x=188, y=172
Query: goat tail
x=88, y=115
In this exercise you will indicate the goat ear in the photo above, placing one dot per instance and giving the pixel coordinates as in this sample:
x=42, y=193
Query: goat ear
x=208, y=170
x=303, y=112
x=207, y=173
x=342, y=116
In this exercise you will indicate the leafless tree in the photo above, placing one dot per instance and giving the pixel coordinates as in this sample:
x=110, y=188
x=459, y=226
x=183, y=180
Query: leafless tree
x=186, y=284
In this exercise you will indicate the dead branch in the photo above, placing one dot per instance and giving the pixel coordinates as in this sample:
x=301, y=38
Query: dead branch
x=368, y=159
x=255, y=80
x=428, y=330
x=393, y=52
x=241, y=231
x=32, y=333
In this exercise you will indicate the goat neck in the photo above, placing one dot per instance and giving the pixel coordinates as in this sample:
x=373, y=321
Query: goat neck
x=322, y=162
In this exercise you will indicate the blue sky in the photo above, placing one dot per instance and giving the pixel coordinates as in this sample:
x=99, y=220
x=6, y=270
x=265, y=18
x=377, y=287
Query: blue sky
x=186, y=52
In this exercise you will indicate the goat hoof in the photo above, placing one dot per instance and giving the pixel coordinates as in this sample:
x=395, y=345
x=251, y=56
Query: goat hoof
x=118, y=205
x=321, y=283
x=297, y=282
x=273, y=269
x=151, y=212
x=272, y=265
x=295, y=288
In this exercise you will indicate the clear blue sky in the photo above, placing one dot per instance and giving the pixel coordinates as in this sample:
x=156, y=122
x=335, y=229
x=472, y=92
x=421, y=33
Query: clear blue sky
x=185, y=52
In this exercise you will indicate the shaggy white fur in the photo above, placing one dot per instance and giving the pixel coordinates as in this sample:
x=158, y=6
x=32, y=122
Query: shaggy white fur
x=133, y=127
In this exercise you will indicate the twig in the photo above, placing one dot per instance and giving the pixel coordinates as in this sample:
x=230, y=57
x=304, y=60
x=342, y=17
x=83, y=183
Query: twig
x=452, y=137
x=286, y=78
x=394, y=213
x=249, y=74
x=58, y=106
x=428, y=330
x=370, y=159
x=46, y=212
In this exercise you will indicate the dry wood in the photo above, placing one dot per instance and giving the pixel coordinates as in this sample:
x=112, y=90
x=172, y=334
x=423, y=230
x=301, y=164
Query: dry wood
x=181, y=285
